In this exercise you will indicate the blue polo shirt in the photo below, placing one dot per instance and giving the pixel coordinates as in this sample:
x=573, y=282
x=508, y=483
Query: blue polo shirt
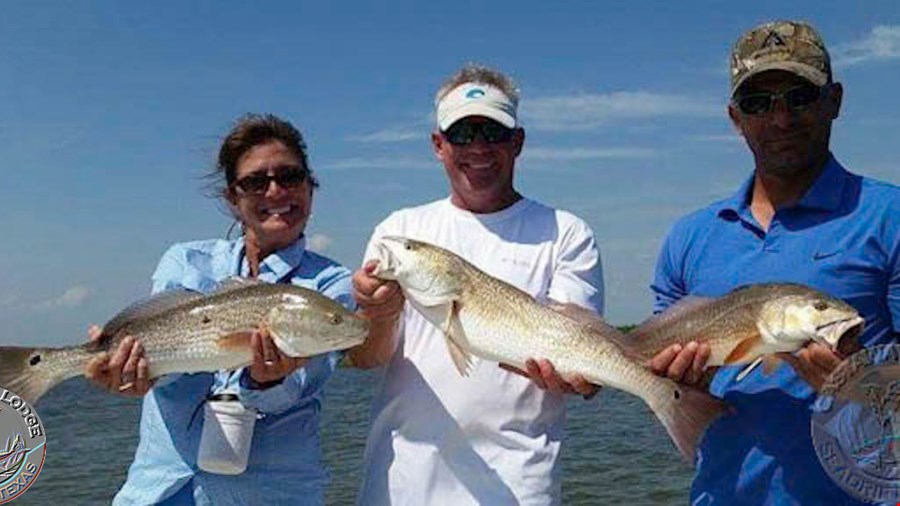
x=843, y=238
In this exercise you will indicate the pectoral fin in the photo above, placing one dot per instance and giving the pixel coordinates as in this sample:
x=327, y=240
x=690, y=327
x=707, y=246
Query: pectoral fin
x=235, y=341
x=429, y=299
x=744, y=351
x=456, y=338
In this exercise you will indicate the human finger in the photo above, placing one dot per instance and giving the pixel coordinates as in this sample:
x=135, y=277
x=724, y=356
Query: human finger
x=534, y=372
x=682, y=362
x=117, y=362
x=552, y=379
x=661, y=361
x=94, y=333
x=129, y=369
x=695, y=372
x=96, y=369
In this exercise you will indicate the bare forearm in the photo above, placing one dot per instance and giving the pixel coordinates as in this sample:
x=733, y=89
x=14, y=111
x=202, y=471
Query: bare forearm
x=379, y=346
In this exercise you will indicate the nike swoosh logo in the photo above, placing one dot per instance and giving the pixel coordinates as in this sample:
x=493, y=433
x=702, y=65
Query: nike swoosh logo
x=819, y=255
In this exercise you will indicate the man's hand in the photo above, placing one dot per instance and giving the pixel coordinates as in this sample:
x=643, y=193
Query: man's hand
x=814, y=363
x=269, y=363
x=544, y=375
x=378, y=300
x=123, y=370
x=684, y=364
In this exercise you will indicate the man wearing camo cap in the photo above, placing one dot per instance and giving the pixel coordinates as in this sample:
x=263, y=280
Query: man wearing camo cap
x=799, y=217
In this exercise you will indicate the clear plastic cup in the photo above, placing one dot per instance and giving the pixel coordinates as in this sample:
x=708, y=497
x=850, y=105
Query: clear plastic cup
x=226, y=437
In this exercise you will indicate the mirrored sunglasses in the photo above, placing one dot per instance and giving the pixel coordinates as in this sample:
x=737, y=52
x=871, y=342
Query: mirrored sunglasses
x=797, y=98
x=462, y=133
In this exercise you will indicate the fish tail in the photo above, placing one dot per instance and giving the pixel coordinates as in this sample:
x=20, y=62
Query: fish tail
x=686, y=412
x=23, y=372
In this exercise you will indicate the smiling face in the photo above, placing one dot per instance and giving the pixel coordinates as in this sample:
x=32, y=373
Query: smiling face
x=480, y=173
x=276, y=217
x=787, y=143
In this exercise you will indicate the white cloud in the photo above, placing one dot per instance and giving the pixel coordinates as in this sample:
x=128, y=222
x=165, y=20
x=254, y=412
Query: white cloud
x=589, y=111
x=392, y=134
x=378, y=163
x=563, y=154
x=319, y=242
x=882, y=43
x=72, y=297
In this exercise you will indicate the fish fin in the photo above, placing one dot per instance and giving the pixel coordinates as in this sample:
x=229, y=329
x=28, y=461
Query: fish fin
x=687, y=415
x=640, y=339
x=747, y=370
x=236, y=283
x=149, y=307
x=593, y=322
x=684, y=306
x=20, y=372
x=455, y=336
x=744, y=350
x=435, y=299
x=582, y=315
x=236, y=340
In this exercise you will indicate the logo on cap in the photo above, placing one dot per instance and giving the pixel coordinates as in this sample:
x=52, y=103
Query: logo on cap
x=475, y=93
x=773, y=39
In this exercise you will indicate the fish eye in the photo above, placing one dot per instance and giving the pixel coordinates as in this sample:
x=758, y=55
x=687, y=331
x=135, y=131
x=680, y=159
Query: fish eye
x=35, y=360
x=820, y=305
x=408, y=246
x=334, y=319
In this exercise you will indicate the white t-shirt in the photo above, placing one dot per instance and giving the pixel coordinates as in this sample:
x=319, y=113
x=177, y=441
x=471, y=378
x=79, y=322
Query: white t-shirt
x=492, y=437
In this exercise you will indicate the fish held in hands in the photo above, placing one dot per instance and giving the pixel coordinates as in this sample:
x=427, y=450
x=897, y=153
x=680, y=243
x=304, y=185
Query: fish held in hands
x=482, y=316
x=184, y=331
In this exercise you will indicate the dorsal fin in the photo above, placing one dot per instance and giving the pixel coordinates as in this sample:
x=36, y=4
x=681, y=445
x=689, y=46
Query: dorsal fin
x=235, y=283
x=150, y=307
x=583, y=316
x=685, y=305
x=593, y=322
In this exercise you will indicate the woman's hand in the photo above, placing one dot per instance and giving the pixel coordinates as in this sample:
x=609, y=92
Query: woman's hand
x=123, y=370
x=269, y=364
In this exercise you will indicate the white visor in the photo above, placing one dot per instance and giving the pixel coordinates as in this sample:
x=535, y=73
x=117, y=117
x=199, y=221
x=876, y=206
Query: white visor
x=476, y=99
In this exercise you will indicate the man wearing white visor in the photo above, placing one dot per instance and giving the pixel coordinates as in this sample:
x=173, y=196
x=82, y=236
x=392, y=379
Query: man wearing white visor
x=494, y=436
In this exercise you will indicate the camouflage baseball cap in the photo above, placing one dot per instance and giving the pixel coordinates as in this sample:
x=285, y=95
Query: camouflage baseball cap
x=793, y=46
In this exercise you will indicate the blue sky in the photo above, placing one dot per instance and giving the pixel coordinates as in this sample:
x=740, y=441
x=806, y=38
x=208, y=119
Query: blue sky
x=110, y=113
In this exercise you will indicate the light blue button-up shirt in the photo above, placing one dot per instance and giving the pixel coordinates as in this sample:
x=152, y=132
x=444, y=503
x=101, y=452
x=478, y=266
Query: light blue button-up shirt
x=284, y=464
x=843, y=238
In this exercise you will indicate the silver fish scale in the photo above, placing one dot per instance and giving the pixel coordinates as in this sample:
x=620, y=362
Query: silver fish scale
x=507, y=325
x=723, y=322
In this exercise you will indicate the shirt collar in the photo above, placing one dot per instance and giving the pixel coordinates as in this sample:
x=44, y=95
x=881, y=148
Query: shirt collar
x=825, y=192
x=277, y=265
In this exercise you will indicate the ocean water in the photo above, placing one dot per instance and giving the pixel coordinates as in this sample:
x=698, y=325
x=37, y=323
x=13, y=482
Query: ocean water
x=615, y=451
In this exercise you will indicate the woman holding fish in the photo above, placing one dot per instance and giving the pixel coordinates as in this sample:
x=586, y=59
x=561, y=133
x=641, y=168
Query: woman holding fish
x=268, y=186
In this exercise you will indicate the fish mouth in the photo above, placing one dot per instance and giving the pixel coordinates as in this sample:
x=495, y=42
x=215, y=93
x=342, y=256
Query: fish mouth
x=387, y=259
x=842, y=335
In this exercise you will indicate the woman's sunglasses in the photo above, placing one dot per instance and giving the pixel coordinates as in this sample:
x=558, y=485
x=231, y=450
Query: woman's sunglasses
x=286, y=177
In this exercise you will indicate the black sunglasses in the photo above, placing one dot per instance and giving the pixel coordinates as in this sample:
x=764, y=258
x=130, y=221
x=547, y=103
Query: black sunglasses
x=462, y=133
x=796, y=98
x=286, y=177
